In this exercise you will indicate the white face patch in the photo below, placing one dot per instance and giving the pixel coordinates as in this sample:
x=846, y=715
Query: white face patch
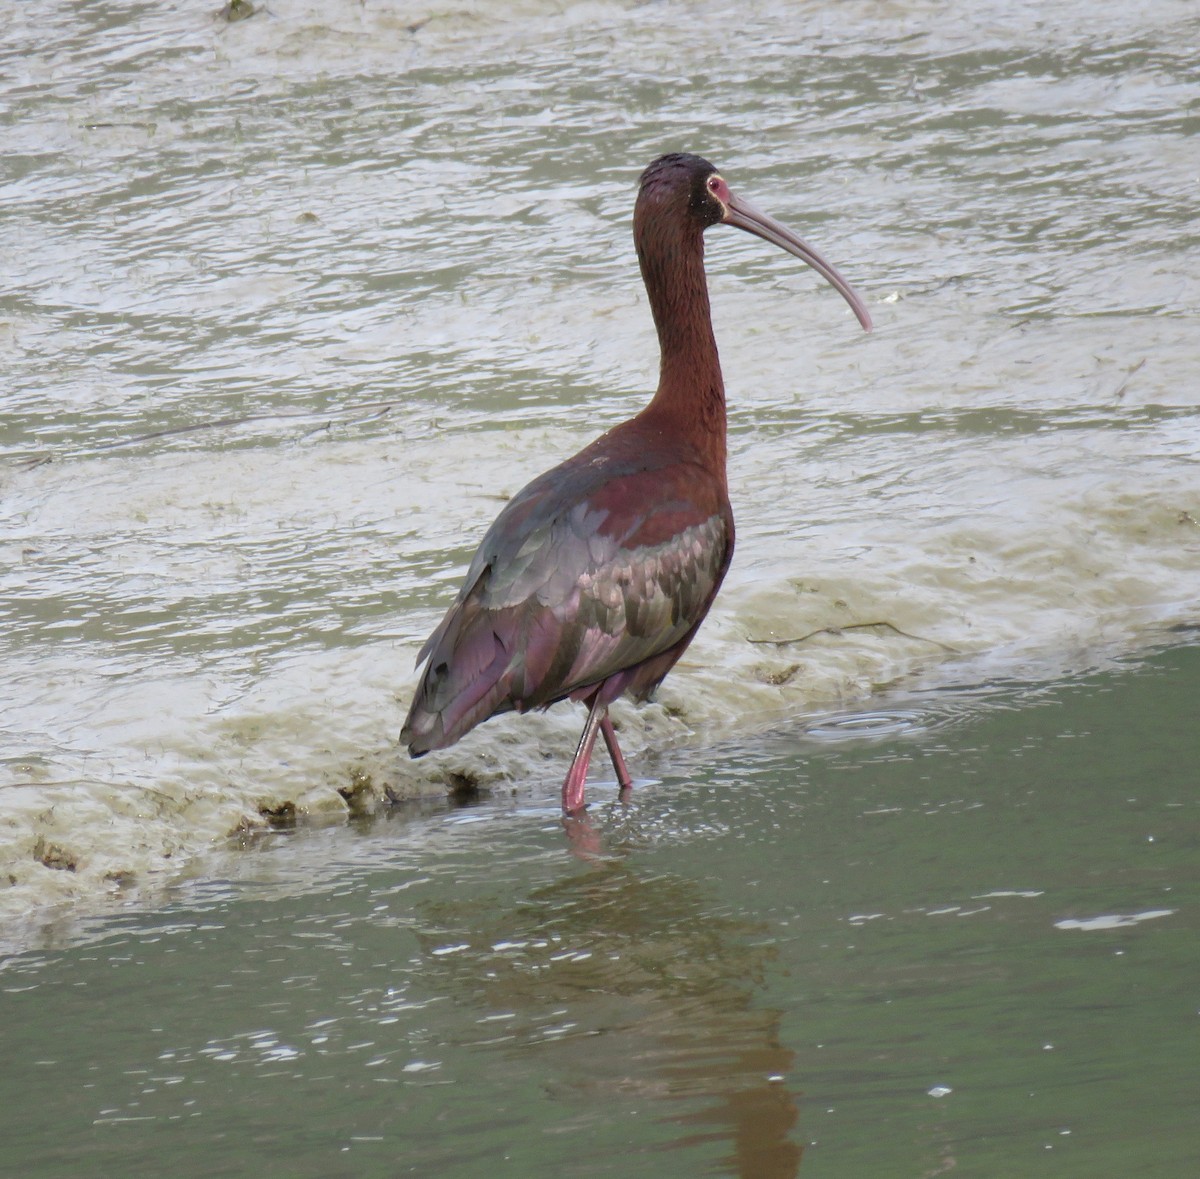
x=720, y=190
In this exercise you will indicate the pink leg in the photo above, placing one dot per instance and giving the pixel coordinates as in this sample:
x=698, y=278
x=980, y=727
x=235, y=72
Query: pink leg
x=624, y=781
x=576, y=779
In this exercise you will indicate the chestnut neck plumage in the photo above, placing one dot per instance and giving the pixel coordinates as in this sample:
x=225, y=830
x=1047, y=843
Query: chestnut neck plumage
x=689, y=405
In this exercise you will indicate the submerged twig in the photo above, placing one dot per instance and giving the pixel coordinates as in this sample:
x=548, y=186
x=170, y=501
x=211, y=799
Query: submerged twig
x=38, y=460
x=371, y=410
x=1128, y=377
x=377, y=409
x=837, y=630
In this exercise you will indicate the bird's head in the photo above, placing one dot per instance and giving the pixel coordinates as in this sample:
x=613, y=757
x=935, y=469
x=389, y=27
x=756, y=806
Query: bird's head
x=688, y=189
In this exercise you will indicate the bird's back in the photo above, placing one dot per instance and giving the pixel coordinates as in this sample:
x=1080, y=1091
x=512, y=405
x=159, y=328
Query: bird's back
x=599, y=570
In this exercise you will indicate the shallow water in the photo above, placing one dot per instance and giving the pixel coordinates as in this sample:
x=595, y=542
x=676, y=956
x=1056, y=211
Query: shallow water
x=393, y=258
x=956, y=935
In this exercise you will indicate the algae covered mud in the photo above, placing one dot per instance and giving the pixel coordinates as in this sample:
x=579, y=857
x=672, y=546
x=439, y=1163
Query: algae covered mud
x=292, y=305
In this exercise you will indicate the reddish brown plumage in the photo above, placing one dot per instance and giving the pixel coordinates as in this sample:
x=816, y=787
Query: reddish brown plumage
x=594, y=579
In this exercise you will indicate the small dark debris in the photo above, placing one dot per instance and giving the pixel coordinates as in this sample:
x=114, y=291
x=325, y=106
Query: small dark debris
x=54, y=856
x=122, y=878
x=236, y=10
x=246, y=833
x=359, y=794
x=463, y=787
x=778, y=678
x=281, y=817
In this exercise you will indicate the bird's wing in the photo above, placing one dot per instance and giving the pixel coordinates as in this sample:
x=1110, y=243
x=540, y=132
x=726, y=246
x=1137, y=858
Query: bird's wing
x=591, y=570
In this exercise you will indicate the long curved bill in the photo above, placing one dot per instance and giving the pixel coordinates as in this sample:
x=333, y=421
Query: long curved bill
x=742, y=214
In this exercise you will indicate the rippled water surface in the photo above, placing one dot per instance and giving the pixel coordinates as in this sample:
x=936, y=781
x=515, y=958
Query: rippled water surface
x=291, y=305
x=957, y=937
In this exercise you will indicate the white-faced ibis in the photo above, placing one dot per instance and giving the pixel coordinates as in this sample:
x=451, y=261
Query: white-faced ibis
x=595, y=578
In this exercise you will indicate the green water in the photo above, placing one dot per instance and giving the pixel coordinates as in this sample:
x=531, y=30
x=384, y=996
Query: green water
x=776, y=960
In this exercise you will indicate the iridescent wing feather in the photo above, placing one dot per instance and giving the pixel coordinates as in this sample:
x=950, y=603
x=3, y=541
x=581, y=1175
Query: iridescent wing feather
x=597, y=568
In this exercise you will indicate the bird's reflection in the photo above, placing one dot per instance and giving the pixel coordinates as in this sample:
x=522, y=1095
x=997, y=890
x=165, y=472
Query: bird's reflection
x=628, y=989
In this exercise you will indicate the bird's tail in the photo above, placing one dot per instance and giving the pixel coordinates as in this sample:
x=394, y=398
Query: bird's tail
x=461, y=688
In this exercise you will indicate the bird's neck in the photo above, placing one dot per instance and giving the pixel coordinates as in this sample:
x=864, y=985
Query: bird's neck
x=690, y=402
